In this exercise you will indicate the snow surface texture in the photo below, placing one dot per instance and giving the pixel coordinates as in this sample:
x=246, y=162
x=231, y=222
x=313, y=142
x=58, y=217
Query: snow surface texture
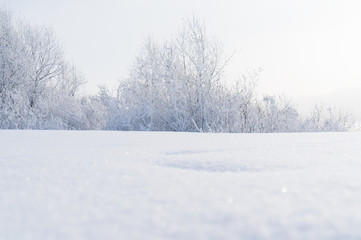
x=141, y=185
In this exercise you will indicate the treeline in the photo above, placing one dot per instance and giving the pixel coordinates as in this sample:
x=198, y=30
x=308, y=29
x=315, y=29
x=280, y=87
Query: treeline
x=178, y=85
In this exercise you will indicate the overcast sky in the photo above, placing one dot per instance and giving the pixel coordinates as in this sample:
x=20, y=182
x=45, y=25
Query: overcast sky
x=306, y=47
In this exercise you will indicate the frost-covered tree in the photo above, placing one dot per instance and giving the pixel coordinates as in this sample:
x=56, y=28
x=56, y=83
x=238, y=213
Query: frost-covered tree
x=180, y=85
x=13, y=76
x=37, y=86
x=278, y=115
x=203, y=68
x=174, y=86
x=327, y=119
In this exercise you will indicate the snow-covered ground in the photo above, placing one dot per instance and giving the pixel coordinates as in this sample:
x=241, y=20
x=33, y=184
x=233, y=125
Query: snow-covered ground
x=141, y=185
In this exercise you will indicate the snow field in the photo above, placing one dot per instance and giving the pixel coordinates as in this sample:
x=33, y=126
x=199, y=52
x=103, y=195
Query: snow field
x=153, y=185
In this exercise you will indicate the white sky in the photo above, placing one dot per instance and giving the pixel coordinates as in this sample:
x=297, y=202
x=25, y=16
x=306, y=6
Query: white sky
x=306, y=47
